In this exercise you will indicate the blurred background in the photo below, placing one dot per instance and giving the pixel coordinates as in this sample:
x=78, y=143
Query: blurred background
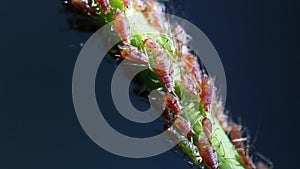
x=257, y=41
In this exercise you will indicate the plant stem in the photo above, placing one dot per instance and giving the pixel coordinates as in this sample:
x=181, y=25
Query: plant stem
x=193, y=111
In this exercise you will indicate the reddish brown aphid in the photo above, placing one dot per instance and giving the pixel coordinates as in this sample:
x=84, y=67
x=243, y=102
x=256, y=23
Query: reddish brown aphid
x=163, y=64
x=104, y=4
x=207, y=92
x=193, y=67
x=207, y=127
x=189, y=84
x=206, y=150
x=153, y=13
x=152, y=45
x=236, y=134
x=208, y=153
x=180, y=37
x=122, y=26
x=166, y=115
x=183, y=126
x=172, y=102
x=134, y=54
x=164, y=69
x=127, y=3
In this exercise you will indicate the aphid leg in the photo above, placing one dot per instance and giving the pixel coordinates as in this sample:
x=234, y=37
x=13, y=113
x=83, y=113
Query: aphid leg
x=198, y=118
x=122, y=26
x=240, y=140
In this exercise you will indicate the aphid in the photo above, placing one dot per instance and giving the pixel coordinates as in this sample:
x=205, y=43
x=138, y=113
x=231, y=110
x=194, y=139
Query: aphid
x=236, y=136
x=206, y=149
x=207, y=92
x=207, y=127
x=104, y=4
x=236, y=133
x=193, y=67
x=189, y=84
x=164, y=69
x=122, y=26
x=208, y=153
x=134, y=54
x=172, y=102
x=152, y=45
x=183, y=126
x=181, y=38
x=163, y=64
x=127, y=3
x=153, y=13
x=166, y=115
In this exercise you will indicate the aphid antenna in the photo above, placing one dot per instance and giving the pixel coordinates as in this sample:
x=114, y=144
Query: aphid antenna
x=256, y=134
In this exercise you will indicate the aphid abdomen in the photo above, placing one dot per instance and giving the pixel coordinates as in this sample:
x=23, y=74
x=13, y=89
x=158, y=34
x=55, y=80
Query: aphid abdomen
x=104, y=4
x=193, y=67
x=207, y=92
x=152, y=45
x=207, y=127
x=183, y=126
x=122, y=26
x=172, y=102
x=164, y=69
x=180, y=37
x=132, y=53
x=208, y=153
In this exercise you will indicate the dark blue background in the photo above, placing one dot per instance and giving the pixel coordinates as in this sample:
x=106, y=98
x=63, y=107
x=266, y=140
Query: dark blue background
x=258, y=45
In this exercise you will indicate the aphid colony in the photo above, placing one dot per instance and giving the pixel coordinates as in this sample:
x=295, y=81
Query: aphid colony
x=191, y=78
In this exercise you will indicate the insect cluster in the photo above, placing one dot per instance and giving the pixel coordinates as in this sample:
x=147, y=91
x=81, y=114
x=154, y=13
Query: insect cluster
x=193, y=111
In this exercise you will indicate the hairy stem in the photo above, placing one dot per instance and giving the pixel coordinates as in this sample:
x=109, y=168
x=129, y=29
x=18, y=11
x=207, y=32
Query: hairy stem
x=193, y=110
